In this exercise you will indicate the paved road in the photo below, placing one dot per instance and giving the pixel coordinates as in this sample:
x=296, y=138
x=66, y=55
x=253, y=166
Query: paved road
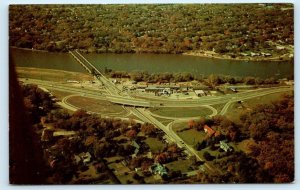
x=127, y=100
x=116, y=96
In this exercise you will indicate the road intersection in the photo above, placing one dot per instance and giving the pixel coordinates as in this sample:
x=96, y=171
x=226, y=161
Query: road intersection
x=138, y=105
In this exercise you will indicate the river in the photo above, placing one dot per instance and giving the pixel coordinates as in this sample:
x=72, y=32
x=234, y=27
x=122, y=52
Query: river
x=155, y=63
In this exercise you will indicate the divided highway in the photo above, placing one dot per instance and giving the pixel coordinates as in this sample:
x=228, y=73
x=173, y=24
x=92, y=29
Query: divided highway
x=137, y=105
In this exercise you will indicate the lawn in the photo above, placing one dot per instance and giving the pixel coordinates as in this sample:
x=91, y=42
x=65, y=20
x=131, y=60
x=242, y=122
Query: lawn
x=182, y=165
x=127, y=178
x=218, y=107
x=96, y=105
x=181, y=111
x=189, y=136
x=155, y=144
x=163, y=120
x=236, y=109
x=243, y=145
x=59, y=94
x=267, y=99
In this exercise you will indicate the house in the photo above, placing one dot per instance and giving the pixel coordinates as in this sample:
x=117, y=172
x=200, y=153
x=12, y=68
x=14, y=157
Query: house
x=166, y=91
x=233, y=89
x=244, y=54
x=184, y=89
x=225, y=146
x=154, y=89
x=85, y=157
x=63, y=133
x=208, y=130
x=73, y=81
x=137, y=148
x=200, y=93
x=158, y=169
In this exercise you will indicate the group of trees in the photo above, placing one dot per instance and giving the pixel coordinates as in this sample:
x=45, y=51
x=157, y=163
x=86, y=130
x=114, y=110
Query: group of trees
x=36, y=101
x=273, y=126
x=98, y=136
x=224, y=28
x=212, y=80
x=271, y=157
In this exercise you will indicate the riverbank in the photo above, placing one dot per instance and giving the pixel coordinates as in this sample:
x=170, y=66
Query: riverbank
x=214, y=55
x=205, y=54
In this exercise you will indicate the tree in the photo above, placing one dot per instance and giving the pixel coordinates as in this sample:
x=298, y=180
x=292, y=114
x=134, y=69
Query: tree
x=161, y=158
x=131, y=133
x=192, y=124
x=148, y=129
x=207, y=156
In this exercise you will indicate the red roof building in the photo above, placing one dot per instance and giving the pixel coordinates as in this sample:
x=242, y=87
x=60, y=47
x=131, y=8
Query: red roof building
x=208, y=130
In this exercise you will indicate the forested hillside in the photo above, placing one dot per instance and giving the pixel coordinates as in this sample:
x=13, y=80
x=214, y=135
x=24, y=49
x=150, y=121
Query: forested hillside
x=232, y=29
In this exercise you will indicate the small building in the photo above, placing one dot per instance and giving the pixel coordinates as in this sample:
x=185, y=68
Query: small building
x=244, y=54
x=63, y=133
x=73, y=81
x=85, y=157
x=200, y=93
x=154, y=89
x=166, y=91
x=184, y=89
x=141, y=86
x=233, y=89
x=225, y=146
x=158, y=169
x=208, y=130
x=137, y=148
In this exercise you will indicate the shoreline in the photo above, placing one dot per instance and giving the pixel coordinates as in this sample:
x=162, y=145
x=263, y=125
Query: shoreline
x=197, y=54
x=227, y=57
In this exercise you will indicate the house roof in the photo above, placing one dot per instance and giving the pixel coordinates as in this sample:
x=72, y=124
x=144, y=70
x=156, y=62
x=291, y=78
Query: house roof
x=63, y=133
x=208, y=130
x=158, y=168
x=199, y=91
x=136, y=146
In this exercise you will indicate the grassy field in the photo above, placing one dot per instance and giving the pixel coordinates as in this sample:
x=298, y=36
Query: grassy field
x=243, y=145
x=181, y=112
x=164, y=121
x=60, y=94
x=51, y=74
x=218, y=107
x=155, y=144
x=127, y=179
x=236, y=109
x=189, y=136
x=95, y=105
x=182, y=165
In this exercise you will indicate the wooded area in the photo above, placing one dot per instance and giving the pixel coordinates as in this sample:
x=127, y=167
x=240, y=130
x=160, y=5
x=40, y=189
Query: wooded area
x=178, y=28
x=271, y=157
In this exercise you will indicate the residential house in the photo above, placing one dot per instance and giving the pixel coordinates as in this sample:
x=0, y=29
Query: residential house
x=208, y=130
x=200, y=93
x=158, y=169
x=225, y=146
x=63, y=133
x=85, y=157
x=137, y=148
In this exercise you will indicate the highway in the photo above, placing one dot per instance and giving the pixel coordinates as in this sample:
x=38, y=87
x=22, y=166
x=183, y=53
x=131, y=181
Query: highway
x=138, y=102
x=137, y=105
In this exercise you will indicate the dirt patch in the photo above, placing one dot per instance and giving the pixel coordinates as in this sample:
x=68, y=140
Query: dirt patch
x=51, y=74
